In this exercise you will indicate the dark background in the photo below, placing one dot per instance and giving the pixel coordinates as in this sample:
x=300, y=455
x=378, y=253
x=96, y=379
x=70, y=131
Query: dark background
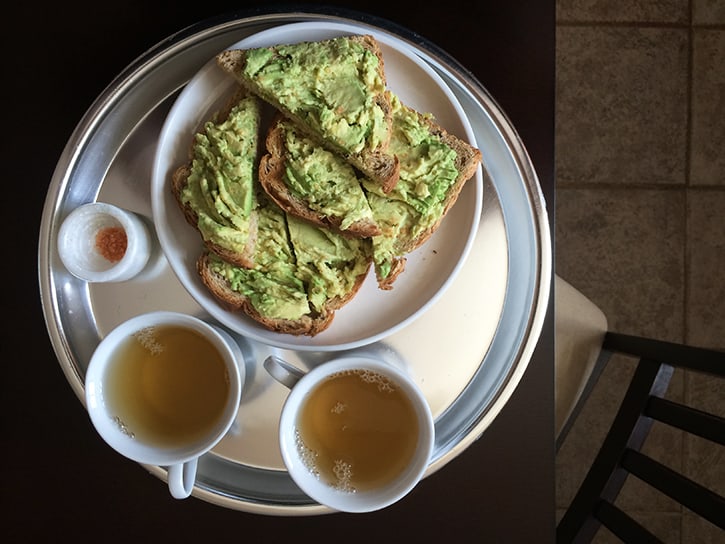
x=59, y=480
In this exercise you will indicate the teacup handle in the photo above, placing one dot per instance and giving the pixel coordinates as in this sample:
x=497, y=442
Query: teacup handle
x=181, y=478
x=282, y=371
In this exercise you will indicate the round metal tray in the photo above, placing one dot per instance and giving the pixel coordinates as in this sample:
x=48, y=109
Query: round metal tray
x=468, y=352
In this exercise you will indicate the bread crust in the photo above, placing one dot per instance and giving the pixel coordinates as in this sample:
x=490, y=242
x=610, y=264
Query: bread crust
x=272, y=180
x=309, y=325
x=396, y=269
x=377, y=164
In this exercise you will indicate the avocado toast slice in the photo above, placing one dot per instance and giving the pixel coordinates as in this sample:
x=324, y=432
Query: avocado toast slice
x=434, y=166
x=313, y=183
x=333, y=89
x=216, y=189
x=301, y=274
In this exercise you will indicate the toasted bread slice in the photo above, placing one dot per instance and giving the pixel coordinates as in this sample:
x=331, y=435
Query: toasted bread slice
x=435, y=165
x=301, y=275
x=309, y=181
x=215, y=272
x=216, y=189
x=334, y=89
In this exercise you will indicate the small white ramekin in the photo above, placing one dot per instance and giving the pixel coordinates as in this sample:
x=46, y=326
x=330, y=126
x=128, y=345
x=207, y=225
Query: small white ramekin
x=82, y=257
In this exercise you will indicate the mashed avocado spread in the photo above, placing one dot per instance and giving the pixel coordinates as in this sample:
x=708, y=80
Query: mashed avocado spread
x=326, y=183
x=427, y=171
x=220, y=187
x=271, y=286
x=329, y=185
x=332, y=84
x=297, y=267
x=327, y=262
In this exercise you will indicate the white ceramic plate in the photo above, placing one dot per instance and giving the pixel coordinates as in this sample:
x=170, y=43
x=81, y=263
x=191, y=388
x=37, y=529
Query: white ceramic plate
x=373, y=313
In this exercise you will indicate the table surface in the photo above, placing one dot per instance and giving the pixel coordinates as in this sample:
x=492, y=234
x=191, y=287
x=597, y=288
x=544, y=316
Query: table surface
x=59, y=478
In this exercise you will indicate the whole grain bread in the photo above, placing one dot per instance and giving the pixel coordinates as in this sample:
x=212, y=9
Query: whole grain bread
x=312, y=323
x=273, y=179
x=373, y=160
x=309, y=325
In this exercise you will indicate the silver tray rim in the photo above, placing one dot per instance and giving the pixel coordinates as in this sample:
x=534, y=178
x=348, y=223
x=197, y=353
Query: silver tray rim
x=539, y=278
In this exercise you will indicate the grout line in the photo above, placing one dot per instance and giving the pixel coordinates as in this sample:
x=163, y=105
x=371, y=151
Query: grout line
x=686, y=271
x=689, y=93
x=685, y=304
x=710, y=188
x=609, y=186
x=641, y=24
x=641, y=186
x=625, y=24
x=686, y=242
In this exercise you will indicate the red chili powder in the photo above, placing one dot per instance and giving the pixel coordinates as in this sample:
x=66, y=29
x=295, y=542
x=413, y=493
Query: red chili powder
x=111, y=242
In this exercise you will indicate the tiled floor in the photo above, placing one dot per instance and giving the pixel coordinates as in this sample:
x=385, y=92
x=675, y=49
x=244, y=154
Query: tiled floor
x=640, y=212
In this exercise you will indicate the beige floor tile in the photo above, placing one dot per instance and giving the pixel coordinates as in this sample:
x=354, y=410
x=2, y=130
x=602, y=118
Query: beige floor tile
x=586, y=435
x=706, y=393
x=652, y=259
x=696, y=530
x=664, y=11
x=664, y=444
x=703, y=461
x=623, y=248
x=664, y=525
x=706, y=268
x=707, y=159
x=621, y=108
x=708, y=12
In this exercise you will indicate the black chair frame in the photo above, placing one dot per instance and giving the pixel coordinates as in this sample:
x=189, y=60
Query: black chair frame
x=620, y=455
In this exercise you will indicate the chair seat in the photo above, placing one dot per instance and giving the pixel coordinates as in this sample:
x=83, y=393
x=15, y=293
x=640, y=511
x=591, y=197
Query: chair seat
x=580, y=330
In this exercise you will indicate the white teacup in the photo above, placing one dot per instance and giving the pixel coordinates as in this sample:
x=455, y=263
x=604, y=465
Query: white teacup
x=162, y=389
x=356, y=434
